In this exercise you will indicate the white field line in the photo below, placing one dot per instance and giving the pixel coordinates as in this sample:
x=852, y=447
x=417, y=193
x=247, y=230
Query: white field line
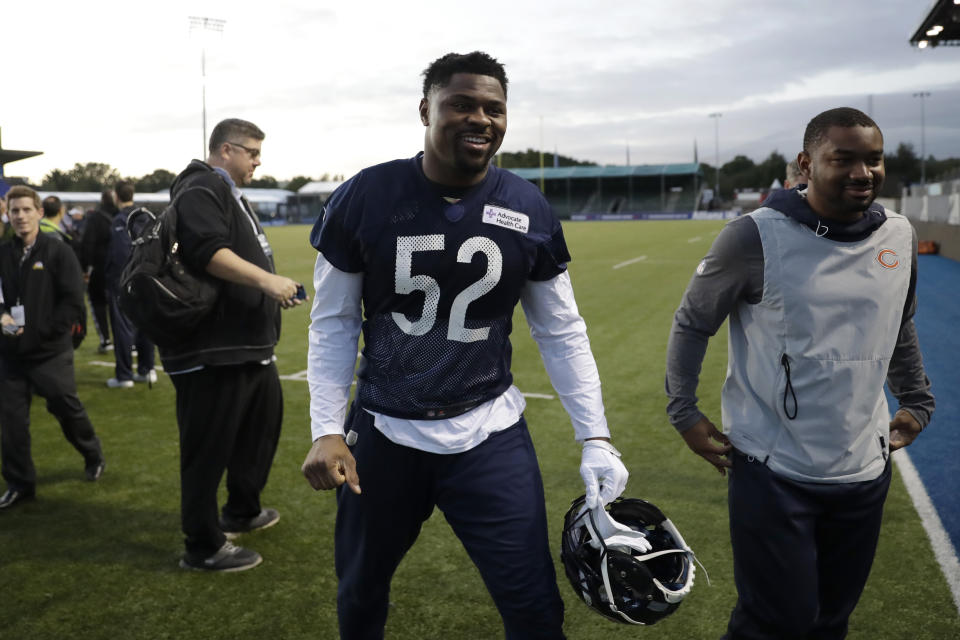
x=694, y=239
x=629, y=262
x=302, y=377
x=942, y=547
x=104, y=363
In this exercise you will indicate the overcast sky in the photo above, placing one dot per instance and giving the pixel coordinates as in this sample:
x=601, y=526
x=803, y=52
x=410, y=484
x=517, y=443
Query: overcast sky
x=336, y=85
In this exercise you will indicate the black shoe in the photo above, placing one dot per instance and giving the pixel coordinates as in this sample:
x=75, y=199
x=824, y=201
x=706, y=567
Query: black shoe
x=229, y=558
x=13, y=496
x=232, y=527
x=95, y=470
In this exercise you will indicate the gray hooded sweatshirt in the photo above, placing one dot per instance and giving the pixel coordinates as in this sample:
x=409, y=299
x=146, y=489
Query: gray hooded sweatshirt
x=821, y=313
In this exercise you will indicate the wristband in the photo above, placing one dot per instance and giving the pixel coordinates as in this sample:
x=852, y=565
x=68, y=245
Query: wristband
x=602, y=444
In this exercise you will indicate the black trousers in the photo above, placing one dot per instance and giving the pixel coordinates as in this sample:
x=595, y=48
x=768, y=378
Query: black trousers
x=492, y=497
x=53, y=380
x=229, y=419
x=801, y=552
x=96, y=291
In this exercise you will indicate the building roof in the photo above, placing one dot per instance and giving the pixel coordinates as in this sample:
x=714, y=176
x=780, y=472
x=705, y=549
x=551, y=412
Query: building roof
x=941, y=26
x=610, y=171
x=256, y=196
x=12, y=155
x=266, y=195
x=321, y=187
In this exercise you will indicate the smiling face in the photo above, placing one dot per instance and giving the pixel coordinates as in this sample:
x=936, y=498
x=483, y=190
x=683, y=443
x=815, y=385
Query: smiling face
x=845, y=171
x=466, y=121
x=25, y=217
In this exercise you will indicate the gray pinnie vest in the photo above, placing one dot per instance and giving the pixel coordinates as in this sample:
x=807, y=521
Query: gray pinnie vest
x=807, y=364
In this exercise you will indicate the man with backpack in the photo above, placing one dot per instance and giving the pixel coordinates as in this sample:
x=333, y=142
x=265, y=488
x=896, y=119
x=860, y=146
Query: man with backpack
x=229, y=399
x=125, y=335
x=40, y=297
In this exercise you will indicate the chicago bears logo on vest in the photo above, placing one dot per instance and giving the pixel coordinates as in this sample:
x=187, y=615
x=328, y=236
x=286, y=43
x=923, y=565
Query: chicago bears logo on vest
x=888, y=259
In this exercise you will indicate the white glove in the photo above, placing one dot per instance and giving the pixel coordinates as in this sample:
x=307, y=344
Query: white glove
x=604, y=476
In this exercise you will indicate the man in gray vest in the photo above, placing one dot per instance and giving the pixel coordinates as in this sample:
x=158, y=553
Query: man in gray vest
x=819, y=289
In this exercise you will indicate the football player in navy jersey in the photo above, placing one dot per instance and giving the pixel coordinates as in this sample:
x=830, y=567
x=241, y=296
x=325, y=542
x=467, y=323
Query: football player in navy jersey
x=428, y=256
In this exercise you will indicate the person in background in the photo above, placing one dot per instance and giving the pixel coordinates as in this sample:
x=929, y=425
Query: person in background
x=126, y=337
x=41, y=296
x=229, y=399
x=53, y=212
x=794, y=177
x=93, y=257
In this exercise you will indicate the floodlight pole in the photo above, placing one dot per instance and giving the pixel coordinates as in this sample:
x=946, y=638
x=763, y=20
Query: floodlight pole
x=923, y=140
x=716, y=133
x=203, y=23
x=542, y=190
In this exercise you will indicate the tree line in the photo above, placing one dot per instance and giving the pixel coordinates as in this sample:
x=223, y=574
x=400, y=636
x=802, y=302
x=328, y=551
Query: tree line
x=97, y=176
x=903, y=167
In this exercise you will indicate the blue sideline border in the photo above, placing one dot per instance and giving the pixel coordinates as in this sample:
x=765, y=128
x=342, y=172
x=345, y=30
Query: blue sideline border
x=935, y=453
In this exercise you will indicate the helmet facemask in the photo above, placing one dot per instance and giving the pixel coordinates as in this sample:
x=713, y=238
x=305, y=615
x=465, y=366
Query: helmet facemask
x=627, y=561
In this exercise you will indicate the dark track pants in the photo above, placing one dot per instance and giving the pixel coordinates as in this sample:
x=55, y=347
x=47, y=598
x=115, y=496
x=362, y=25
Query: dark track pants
x=53, y=380
x=801, y=552
x=492, y=496
x=99, y=307
x=229, y=419
x=125, y=337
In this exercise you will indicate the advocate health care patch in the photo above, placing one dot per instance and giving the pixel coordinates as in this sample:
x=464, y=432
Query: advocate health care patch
x=506, y=218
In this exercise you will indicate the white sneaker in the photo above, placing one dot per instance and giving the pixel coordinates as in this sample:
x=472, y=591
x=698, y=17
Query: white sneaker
x=149, y=376
x=113, y=383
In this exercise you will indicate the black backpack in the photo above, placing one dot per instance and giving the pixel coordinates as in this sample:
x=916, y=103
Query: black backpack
x=159, y=294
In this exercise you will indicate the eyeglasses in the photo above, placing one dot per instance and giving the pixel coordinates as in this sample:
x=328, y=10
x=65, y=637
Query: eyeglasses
x=254, y=153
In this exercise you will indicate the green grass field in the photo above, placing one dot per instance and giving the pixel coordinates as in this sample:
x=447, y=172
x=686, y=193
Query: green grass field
x=100, y=560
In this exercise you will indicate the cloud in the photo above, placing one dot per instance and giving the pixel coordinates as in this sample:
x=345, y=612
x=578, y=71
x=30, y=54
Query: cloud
x=336, y=86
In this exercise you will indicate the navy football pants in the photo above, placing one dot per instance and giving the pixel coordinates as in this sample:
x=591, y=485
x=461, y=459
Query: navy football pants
x=801, y=552
x=125, y=337
x=492, y=496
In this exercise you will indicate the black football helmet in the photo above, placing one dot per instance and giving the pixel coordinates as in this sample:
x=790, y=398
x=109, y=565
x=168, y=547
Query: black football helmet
x=627, y=561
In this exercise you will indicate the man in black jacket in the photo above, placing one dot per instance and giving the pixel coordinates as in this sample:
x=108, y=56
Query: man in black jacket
x=94, y=245
x=42, y=296
x=229, y=401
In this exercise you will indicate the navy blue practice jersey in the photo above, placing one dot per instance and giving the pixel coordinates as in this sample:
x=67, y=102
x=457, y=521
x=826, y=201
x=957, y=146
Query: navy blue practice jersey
x=440, y=281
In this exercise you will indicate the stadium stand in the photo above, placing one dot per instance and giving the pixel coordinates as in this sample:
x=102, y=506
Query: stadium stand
x=633, y=189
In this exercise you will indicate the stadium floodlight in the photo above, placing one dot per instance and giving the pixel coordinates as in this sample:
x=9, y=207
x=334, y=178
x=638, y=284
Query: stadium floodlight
x=922, y=44
x=203, y=24
x=923, y=140
x=716, y=133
